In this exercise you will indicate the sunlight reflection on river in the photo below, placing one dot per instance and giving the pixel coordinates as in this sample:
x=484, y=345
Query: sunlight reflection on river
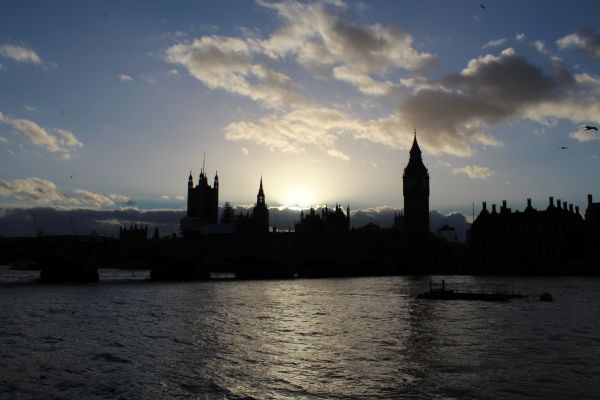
x=326, y=338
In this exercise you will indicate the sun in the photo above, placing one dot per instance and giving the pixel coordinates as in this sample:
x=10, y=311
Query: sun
x=297, y=196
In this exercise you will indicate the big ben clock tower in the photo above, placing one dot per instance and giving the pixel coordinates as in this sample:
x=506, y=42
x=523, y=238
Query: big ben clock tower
x=416, y=194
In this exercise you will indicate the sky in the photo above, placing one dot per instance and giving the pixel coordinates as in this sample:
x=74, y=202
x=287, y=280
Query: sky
x=109, y=105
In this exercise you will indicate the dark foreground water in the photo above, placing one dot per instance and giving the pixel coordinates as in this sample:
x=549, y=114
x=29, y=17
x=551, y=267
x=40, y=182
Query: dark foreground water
x=330, y=338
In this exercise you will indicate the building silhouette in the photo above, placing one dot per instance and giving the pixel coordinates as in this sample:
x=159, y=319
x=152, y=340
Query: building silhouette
x=202, y=203
x=592, y=222
x=553, y=235
x=416, y=195
x=328, y=221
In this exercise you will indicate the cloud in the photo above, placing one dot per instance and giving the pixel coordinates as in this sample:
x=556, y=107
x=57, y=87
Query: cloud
x=149, y=79
x=19, y=54
x=363, y=81
x=29, y=108
x=93, y=199
x=122, y=199
x=3, y=140
x=520, y=37
x=38, y=191
x=124, y=78
x=453, y=114
x=64, y=143
x=317, y=37
x=245, y=151
x=585, y=136
x=540, y=46
x=173, y=72
x=312, y=35
x=2, y=67
x=34, y=189
x=226, y=63
x=494, y=43
x=474, y=171
x=338, y=154
x=67, y=138
x=180, y=198
x=498, y=89
x=165, y=197
x=585, y=40
x=19, y=221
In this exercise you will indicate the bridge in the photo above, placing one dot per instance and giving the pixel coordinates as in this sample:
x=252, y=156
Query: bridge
x=248, y=256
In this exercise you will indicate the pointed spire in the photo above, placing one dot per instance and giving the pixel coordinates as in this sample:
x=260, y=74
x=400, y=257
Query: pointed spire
x=415, y=151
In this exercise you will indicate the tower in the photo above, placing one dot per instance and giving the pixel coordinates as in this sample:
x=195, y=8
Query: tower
x=416, y=194
x=202, y=203
x=260, y=213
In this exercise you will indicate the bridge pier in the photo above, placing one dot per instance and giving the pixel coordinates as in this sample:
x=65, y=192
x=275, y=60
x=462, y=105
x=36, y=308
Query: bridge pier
x=68, y=273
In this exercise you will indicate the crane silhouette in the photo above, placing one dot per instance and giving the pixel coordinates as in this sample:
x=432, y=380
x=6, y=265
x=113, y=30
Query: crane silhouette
x=590, y=128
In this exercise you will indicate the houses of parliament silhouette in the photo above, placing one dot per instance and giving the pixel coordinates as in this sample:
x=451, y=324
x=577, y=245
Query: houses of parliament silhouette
x=554, y=240
x=558, y=234
x=203, y=208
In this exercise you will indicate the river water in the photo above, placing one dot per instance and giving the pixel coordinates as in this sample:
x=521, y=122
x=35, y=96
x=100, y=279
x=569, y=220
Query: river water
x=361, y=338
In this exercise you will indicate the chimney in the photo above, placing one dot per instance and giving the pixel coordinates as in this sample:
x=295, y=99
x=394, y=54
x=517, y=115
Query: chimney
x=484, y=206
x=571, y=208
x=551, y=201
x=576, y=209
x=493, y=208
x=589, y=199
x=558, y=205
x=565, y=206
x=528, y=203
x=504, y=204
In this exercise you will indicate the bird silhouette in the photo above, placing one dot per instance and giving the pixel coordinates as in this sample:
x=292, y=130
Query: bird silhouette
x=482, y=6
x=590, y=128
x=563, y=147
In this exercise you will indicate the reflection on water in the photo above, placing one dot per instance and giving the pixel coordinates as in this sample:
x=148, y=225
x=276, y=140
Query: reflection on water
x=329, y=338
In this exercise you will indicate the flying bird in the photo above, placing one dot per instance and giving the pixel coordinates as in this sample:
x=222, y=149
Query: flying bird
x=590, y=128
x=563, y=147
x=482, y=6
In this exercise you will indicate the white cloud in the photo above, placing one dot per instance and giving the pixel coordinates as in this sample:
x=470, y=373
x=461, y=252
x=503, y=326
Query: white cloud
x=165, y=197
x=585, y=136
x=363, y=81
x=149, y=79
x=338, y=154
x=40, y=137
x=3, y=140
x=173, y=72
x=474, y=171
x=93, y=199
x=122, y=199
x=494, y=43
x=520, y=37
x=540, y=46
x=124, y=78
x=245, y=151
x=29, y=108
x=180, y=198
x=19, y=54
x=585, y=40
x=34, y=189
x=68, y=138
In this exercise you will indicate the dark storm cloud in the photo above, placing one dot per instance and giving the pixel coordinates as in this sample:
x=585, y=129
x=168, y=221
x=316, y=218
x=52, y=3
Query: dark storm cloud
x=456, y=110
x=53, y=221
